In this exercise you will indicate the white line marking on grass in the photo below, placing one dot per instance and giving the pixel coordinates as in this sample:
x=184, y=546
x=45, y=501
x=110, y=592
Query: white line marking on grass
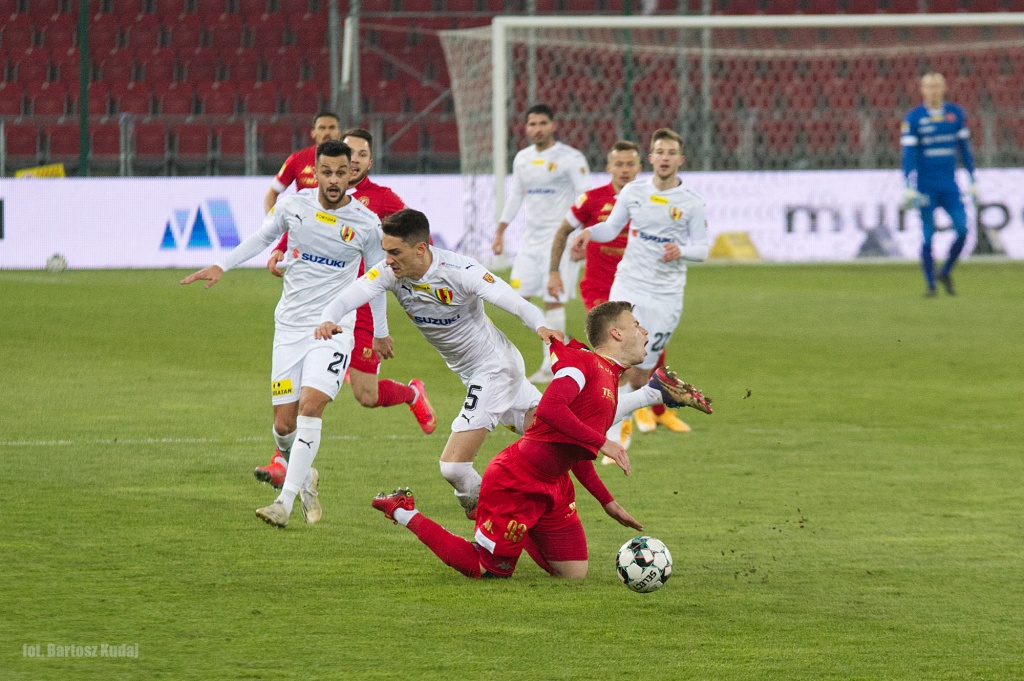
x=181, y=440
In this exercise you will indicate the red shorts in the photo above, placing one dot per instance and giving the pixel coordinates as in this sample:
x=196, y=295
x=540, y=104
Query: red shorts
x=516, y=500
x=363, y=357
x=594, y=293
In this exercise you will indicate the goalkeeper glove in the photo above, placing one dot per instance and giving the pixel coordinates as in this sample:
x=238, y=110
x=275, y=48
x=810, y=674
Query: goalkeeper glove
x=913, y=199
x=676, y=393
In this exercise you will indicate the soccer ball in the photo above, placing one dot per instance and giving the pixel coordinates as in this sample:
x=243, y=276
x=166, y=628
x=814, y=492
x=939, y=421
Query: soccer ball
x=644, y=564
x=56, y=263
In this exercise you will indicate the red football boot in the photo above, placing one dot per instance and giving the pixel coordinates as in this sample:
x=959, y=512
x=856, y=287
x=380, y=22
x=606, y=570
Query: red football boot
x=274, y=472
x=421, y=408
x=387, y=503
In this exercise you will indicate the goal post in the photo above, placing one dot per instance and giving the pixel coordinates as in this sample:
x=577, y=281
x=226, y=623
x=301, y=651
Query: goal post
x=790, y=92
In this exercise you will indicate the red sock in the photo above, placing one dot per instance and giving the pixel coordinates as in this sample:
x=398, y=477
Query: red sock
x=390, y=393
x=659, y=409
x=455, y=552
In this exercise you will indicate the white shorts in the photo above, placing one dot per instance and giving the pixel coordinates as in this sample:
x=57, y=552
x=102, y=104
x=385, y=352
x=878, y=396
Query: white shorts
x=530, y=272
x=658, y=314
x=496, y=396
x=303, y=361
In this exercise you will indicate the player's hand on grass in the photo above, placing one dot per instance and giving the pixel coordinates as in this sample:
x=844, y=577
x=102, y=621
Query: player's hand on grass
x=555, y=286
x=672, y=252
x=620, y=514
x=211, y=274
x=327, y=330
x=275, y=257
x=547, y=335
x=384, y=347
x=615, y=452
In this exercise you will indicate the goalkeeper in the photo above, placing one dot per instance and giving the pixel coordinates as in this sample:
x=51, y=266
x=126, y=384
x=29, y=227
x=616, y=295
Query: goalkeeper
x=931, y=137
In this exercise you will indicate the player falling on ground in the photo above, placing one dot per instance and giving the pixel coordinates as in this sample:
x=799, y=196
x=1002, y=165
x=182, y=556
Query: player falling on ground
x=368, y=390
x=332, y=233
x=527, y=500
x=444, y=294
x=602, y=259
x=668, y=228
x=547, y=176
x=931, y=136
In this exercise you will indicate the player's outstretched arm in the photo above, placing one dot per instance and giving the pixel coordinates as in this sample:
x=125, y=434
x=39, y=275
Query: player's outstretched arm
x=211, y=274
x=615, y=452
x=326, y=331
x=615, y=510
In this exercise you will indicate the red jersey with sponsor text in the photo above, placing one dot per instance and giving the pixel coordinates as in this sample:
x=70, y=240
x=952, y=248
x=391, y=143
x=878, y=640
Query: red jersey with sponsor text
x=298, y=168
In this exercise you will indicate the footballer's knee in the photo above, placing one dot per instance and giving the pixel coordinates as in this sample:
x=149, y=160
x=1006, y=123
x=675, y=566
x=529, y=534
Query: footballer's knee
x=570, y=569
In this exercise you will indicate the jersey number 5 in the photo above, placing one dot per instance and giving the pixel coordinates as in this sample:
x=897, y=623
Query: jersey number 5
x=471, y=398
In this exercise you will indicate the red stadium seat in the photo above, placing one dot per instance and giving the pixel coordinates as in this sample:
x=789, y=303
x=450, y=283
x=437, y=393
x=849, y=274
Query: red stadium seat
x=284, y=65
x=33, y=67
x=158, y=65
x=18, y=33
x=104, y=34
x=177, y=99
x=50, y=100
x=192, y=145
x=302, y=99
x=105, y=145
x=294, y=6
x=308, y=31
x=227, y=33
x=460, y=5
x=43, y=9
x=143, y=34
x=134, y=98
x=149, y=145
x=243, y=67
x=22, y=144
x=118, y=66
x=58, y=34
x=444, y=138
x=276, y=143
x=63, y=143
x=186, y=33
x=386, y=98
x=12, y=98
x=218, y=98
x=252, y=9
x=402, y=144
x=199, y=65
x=267, y=32
x=230, y=144
x=262, y=98
x=99, y=99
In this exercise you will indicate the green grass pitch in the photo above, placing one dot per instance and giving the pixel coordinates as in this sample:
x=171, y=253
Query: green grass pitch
x=852, y=510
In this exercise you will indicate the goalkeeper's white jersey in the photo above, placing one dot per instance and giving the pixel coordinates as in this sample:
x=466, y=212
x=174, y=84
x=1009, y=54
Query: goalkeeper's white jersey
x=548, y=182
x=657, y=217
x=325, y=248
x=447, y=306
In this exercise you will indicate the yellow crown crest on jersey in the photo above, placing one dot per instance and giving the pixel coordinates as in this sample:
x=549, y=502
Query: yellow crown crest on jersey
x=347, y=233
x=326, y=218
x=552, y=167
x=660, y=200
x=444, y=295
x=675, y=212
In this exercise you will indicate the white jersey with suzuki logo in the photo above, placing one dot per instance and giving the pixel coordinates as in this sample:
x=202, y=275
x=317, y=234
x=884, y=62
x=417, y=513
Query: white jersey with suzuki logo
x=447, y=306
x=325, y=249
x=656, y=217
x=548, y=182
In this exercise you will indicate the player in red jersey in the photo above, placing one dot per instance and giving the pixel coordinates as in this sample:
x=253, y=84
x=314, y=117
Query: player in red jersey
x=527, y=500
x=299, y=167
x=365, y=364
x=599, y=272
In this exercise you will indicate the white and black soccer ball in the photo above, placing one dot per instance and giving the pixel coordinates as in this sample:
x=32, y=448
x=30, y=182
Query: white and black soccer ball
x=644, y=564
x=56, y=263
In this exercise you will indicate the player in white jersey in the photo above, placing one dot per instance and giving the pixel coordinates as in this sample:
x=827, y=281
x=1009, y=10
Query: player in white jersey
x=547, y=176
x=444, y=294
x=668, y=228
x=330, y=234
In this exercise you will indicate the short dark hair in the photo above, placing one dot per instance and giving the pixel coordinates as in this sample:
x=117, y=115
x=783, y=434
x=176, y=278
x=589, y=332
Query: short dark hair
x=625, y=145
x=409, y=225
x=325, y=114
x=602, y=318
x=361, y=133
x=542, y=109
x=334, y=149
x=666, y=134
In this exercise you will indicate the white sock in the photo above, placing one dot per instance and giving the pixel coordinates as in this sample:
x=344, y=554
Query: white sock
x=307, y=442
x=402, y=516
x=284, y=445
x=464, y=478
x=553, y=319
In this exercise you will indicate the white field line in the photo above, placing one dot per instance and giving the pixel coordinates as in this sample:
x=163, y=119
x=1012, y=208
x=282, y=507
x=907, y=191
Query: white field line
x=182, y=440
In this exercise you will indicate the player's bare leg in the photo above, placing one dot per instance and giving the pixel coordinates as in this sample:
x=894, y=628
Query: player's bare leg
x=311, y=407
x=570, y=569
x=370, y=391
x=457, y=466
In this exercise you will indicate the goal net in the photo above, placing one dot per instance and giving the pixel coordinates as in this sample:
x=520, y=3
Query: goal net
x=746, y=93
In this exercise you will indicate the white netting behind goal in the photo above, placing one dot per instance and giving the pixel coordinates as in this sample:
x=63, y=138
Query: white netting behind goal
x=743, y=99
